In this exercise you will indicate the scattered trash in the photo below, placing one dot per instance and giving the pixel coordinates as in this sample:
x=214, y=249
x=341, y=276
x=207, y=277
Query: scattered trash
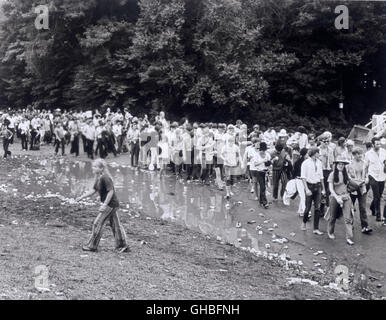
x=143, y=242
x=275, y=225
x=84, y=255
x=292, y=234
x=260, y=232
x=251, y=222
x=299, y=280
x=238, y=225
x=317, y=265
x=270, y=229
x=267, y=246
x=281, y=241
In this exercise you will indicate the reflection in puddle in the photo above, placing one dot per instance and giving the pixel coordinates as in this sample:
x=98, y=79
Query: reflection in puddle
x=195, y=206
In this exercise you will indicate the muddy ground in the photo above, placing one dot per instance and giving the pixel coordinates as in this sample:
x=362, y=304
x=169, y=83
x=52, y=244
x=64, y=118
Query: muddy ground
x=167, y=261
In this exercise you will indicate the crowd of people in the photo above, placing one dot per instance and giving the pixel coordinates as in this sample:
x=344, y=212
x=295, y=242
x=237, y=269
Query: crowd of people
x=332, y=175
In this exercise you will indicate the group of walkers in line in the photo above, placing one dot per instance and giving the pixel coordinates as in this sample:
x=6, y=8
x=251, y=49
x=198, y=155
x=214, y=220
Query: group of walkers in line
x=331, y=176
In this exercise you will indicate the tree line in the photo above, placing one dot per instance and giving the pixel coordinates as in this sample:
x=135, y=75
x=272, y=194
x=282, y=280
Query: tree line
x=278, y=63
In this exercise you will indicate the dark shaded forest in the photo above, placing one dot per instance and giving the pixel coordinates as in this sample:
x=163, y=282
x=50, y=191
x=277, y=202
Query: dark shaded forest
x=279, y=63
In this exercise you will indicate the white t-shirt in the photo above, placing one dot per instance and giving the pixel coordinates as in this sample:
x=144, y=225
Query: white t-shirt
x=230, y=154
x=164, y=150
x=257, y=158
x=375, y=161
x=250, y=151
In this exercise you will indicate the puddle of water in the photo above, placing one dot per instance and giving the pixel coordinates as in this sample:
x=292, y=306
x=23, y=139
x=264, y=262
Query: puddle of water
x=192, y=205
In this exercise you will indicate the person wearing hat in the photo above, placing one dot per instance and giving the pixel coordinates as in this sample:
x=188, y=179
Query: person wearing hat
x=256, y=130
x=260, y=161
x=312, y=176
x=356, y=172
x=340, y=199
x=282, y=137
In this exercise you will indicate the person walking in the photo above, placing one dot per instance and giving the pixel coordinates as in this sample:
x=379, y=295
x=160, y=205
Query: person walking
x=340, y=199
x=59, y=138
x=356, y=173
x=312, y=175
x=108, y=211
x=7, y=135
x=259, y=163
x=375, y=166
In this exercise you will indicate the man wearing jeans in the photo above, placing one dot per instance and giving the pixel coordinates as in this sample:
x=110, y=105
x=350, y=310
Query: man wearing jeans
x=312, y=176
x=375, y=171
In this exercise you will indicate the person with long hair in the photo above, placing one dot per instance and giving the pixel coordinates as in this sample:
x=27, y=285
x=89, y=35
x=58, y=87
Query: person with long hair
x=340, y=199
x=108, y=211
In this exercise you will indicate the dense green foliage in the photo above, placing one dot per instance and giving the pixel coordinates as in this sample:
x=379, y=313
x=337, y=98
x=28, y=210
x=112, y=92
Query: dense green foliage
x=266, y=61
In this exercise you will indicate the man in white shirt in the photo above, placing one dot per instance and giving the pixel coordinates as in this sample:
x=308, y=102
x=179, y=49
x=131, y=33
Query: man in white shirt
x=90, y=134
x=312, y=176
x=375, y=163
x=117, y=130
x=24, y=131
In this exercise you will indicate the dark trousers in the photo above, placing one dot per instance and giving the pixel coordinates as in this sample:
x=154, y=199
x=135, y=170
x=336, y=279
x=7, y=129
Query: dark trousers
x=90, y=148
x=33, y=136
x=205, y=173
x=6, y=143
x=24, y=141
x=189, y=164
x=377, y=187
x=259, y=178
x=277, y=176
x=315, y=197
x=326, y=174
x=75, y=145
x=60, y=143
x=120, y=143
x=13, y=135
x=362, y=207
x=134, y=153
x=84, y=140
